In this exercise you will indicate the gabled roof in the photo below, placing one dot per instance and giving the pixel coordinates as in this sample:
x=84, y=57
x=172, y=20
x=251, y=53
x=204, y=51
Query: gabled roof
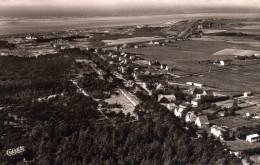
x=208, y=92
x=203, y=119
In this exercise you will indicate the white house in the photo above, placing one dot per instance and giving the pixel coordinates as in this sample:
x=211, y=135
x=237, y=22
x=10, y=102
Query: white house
x=189, y=83
x=248, y=93
x=178, y=111
x=218, y=131
x=194, y=103
x=156, y=43
x=202, y=121
x=190, y=117
x=252, y=138
x=198, y=85
x=114, y=56
x=225, y=62
x=198, y=96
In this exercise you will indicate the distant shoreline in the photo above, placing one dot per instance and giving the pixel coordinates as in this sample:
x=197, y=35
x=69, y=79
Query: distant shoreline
x=11, y=27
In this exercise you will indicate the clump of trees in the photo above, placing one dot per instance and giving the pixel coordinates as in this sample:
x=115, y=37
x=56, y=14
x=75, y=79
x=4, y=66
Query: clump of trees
x=243, y=131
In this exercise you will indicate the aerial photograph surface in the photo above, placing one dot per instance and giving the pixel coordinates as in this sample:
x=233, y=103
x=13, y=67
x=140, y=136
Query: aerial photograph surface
x=129, y=82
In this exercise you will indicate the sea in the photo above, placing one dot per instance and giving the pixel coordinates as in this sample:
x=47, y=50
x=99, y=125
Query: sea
x=21, y=25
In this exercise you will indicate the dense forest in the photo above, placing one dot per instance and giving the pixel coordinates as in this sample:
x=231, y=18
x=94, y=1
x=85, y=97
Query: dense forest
x=68, y=129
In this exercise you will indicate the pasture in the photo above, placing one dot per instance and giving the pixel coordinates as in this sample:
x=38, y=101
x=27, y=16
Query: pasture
x=233, y=122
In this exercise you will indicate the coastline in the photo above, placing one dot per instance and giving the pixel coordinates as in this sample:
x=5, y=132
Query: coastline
x=34, y=26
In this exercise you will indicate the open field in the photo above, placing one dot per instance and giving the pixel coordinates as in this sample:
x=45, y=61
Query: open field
x=212, y=31
x=188, y=56
x=193, y=60
x=122, y=100
x=225, y=103
x=231, y=82
x=233, y=122
x=239, y=145
x=251, y=110
x=249, y=27
x=255, y=99
x=254, y=43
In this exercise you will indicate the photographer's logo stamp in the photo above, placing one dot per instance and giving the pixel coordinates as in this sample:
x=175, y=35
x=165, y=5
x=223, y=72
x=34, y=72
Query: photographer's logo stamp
x=14, y=151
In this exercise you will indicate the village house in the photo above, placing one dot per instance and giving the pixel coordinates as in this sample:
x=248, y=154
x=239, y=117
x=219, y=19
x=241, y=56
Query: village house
x=225, y=62
x=157, y=43
x=202, y=121
x=252, y=138
x=189, y=83
x=256, y=55
x=205, y=93
x=129, y=83
x=190, y=117
x=123, y=60
x=219, y=131
x=255, y=159
x=178, y=111
x=248, y=93
x=123, y=69
x=132, y=57
x=170, y=98
x=192, y=90
x=195, y=103
x=164, y=67
x=208, y=93
x=143, y=62
x=114, y=56
x=156, y=65
x=198, y=85
x=169, y=106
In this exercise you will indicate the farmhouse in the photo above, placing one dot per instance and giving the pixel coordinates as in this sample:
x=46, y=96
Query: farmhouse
x=219, y=131
x=202, y=121
x=252, y=138
x=190, y=117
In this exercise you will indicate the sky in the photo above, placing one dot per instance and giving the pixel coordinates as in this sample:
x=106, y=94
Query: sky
x=125, y=3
